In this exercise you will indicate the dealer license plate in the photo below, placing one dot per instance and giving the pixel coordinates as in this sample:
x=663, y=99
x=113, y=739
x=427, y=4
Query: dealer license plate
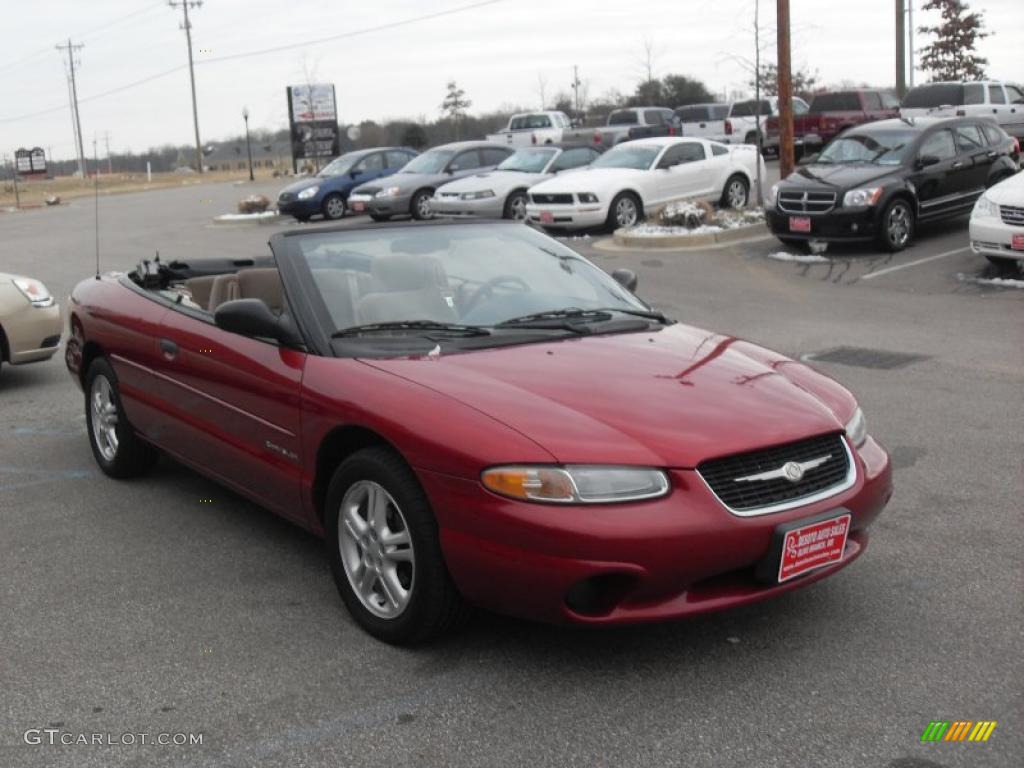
x=813, y=546
x=1017, y=243
x=358, y=207
x=799, y=224
x=547, y=217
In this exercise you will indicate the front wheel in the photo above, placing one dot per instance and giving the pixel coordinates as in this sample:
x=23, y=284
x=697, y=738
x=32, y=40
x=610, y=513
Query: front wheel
x=736, y=193
x=515, y=206
x=625, y=211
x=117, y=449
x=333, y=206
x=385, y=553
x=420, y=205
x=896, y=226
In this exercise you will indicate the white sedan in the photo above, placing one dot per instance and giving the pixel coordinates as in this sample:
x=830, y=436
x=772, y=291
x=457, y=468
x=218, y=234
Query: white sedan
x=997, y=222
x=637, y=176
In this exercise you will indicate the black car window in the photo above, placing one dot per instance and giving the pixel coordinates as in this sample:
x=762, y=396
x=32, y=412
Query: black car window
x=653, y=117
x=968, y=138
x=835, y=102
x=872, y=100
x=931, y=96
x=623, y=117
x=686, y=152
x=996, y=95
x=493, y=156
x=1014, y=94
x=466, y=161
x=374, y=162
x=939, y=144
x=718, y=149
x=398, y=159
x=574, y=158
x=692, y=114
x=750, y=108
x=993, y=134
x=974, y=93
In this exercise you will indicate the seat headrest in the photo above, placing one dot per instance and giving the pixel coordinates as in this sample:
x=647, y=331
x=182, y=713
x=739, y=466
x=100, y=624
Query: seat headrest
x=263, y=284
x=405, y=272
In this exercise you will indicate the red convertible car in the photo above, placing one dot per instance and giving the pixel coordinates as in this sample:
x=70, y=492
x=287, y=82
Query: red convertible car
x=476, y=414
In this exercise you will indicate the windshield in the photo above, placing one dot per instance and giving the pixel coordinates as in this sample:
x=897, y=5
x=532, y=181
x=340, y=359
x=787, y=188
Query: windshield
x=623, y=117
x=527, y=160
x=433, y=161
x=886, y=148
x=835, y=102
x=456, y=275
x=339, y=165
x=626, y=156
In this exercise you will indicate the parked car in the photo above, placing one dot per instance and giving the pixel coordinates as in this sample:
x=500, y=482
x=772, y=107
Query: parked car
x=626, y=125
x=409, y=191
x=473, y=413
x=703, y=121
x=879, y=181
x=327, y=192
x=631, y=179
x=530, y=128
x=30, y=321
x=829, y=114
x=742, y=124
x=997, y=222
x=1003, y=102
x=501, y=193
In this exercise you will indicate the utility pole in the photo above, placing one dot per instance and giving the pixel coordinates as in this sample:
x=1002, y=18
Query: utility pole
x=106, y=141
x=785, y=91
x=910, y=41
x=901, y=48
x=576, y=89
x=757, y=96
x=187, y=26
x=79, y=146
x=248, y=146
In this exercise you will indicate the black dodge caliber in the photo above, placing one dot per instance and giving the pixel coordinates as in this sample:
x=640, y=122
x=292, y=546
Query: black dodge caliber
x=878, y=180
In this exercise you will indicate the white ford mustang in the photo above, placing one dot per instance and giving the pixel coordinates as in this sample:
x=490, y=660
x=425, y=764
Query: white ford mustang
x=632, y=178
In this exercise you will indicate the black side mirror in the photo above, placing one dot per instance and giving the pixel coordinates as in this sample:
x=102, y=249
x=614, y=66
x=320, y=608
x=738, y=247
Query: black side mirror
x=664, y=164
x=925, y=160
x=253, y=318
x=452, y=168
x=626, y=278
x=353, y=173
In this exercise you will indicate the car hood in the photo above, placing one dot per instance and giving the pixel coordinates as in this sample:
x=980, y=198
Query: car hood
x=1008, y=192
x=588, y=180
x=670, y=398
x=838, y=176
x=306, y=183
x=499, y=182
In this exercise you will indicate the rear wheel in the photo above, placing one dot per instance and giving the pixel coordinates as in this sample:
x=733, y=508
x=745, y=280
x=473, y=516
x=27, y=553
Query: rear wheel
x=896, y=226
x=515, y=206
x=117, y=449
x=333, y=206
x=420, y=205
x=625, y=211
x=385, y=553
x=736, y=193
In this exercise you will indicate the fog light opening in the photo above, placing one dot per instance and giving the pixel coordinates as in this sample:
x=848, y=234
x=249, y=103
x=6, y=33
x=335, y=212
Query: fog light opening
x=598, y=595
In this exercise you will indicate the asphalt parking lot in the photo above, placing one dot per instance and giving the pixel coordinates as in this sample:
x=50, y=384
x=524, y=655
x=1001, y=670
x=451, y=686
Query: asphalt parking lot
x=142, y=607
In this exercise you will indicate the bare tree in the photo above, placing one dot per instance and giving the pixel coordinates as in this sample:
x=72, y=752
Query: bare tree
x=648, y=60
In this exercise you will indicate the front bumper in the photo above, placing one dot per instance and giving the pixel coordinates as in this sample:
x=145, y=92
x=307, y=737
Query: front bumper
x=649, y=561
x=455, y=208
x=991, y=237
x=381, y=206
x=838, y=225
x=33, y=333
x=574, y=216
x=299, y=208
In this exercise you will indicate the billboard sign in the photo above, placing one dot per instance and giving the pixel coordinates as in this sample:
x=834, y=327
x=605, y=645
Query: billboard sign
x=29, y=161
x=313, y=119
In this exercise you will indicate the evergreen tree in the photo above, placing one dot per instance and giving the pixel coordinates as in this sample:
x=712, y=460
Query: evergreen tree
x=455, y=105
x=952, y=54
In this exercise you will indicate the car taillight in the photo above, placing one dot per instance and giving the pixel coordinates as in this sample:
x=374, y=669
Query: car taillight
x=1016, y=145
x=728, y=128
x=671, y=131
x=597, y=137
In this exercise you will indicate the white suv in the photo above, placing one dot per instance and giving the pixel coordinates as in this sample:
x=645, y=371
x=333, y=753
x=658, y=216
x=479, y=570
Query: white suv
x=530, y=128
x=1003, y=102
x=742, y=123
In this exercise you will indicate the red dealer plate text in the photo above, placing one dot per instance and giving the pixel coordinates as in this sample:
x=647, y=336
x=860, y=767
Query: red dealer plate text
x=799, y=224
x=547, y=217
x=813, y=546
x=357, y=206
x=1018, y=243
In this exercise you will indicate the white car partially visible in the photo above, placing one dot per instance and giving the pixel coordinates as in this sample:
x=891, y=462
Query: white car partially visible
x=621, y=186
x=997, y=222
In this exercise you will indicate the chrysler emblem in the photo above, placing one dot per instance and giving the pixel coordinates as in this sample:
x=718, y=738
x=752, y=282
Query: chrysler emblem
x=793, y=471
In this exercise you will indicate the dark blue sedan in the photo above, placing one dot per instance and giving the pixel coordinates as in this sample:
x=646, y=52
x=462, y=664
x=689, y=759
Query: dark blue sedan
x=327, y=192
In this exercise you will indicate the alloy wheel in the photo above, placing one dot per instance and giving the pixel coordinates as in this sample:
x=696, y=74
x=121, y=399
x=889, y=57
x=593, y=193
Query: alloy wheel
x=625, y=212
x=518, y=208
x=376, y=549
x=335, y=208
x=423, y=206
x=104, y=417
x=898, y=225
x=737, y=194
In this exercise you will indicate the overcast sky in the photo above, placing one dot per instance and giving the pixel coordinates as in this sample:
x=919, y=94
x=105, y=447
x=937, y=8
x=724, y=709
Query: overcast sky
x=496, y=52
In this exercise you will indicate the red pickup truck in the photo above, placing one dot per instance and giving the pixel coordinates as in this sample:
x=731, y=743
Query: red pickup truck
x=832, y=113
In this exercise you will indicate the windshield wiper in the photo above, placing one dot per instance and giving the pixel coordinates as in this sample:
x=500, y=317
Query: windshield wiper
x=600, y=314
x=412, y=325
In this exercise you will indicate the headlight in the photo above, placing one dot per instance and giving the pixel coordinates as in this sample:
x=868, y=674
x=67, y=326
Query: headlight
x=482, y=194
x=308, y=192
x=985, y=209
x=773, y=195
x=34, y=291
x=587, y=197
x=857, y=428
x=577, y=484
x=859, y=198
x=390, y=192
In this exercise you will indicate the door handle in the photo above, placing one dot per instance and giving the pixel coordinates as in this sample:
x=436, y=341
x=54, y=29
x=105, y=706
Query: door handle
x=169, y=348
x=958, y=164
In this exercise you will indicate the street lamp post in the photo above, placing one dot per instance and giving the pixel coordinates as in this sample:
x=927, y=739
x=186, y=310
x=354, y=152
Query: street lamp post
x=248, y=146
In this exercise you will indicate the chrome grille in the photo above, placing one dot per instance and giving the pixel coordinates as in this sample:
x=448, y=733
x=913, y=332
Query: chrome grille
x=795, y=201
x=560, y=199
x=736, y=480
x=1012, y=214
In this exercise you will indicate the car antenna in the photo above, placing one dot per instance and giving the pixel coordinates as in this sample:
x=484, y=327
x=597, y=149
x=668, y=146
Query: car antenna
x=96, y=202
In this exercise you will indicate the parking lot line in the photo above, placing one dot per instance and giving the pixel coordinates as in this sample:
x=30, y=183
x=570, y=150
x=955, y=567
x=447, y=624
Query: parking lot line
x=898, y=267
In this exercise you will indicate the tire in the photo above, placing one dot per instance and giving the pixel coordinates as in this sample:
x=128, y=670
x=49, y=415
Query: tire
x=380, y=216
x=302, y=219
x=333, y=207
x=619, y=211
x=115, y=446
x=736, y=193
x=424, y=603
x=896, y=226
x=1004, y=263
x=419, y=206
x=515, y=206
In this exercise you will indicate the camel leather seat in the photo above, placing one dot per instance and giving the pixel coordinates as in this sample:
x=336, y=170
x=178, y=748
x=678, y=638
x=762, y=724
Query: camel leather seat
x=406, y=287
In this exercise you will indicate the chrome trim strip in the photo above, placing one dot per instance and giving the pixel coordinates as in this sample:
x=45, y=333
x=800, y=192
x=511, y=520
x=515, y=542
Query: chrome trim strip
x=781, y=471
x=851, y=478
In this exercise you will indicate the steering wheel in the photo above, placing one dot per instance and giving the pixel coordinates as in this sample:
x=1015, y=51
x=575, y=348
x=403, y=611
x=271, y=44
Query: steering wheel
x=486, y=290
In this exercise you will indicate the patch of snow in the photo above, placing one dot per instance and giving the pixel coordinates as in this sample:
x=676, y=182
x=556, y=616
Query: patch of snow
x=246, y=216
x=655, y=230
x=999, y=282
x=684, y=208
x=800, y=258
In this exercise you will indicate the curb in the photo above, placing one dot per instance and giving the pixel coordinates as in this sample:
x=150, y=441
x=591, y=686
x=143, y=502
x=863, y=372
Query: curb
x=261, y=222
x=682, y=242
